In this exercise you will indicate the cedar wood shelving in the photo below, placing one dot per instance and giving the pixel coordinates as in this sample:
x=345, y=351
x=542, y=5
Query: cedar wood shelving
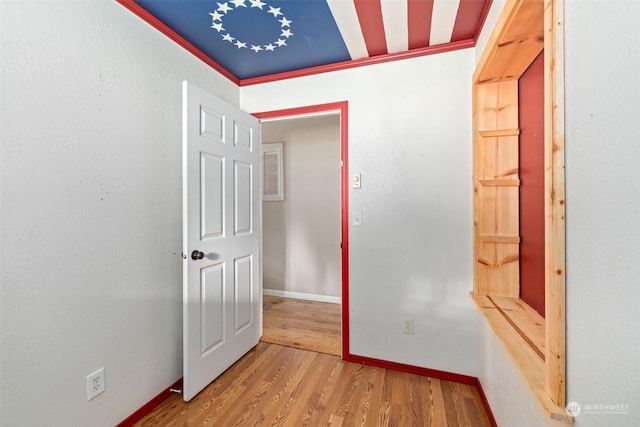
x=536, y=344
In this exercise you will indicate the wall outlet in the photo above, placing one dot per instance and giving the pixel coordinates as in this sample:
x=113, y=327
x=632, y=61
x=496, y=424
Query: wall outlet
x=96, y=384
x=407, y=326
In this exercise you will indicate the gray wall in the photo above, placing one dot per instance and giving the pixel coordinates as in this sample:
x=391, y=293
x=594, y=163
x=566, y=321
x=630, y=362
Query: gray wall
x=301, y=235
x=410, y=137
x=91, y=209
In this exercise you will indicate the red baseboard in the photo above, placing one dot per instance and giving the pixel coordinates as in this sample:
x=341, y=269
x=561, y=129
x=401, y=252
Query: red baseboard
x=485, y=402
x=150, y=405
x=433, y=373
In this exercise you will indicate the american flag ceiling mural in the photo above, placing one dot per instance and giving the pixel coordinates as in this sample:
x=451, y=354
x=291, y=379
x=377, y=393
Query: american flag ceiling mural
x=256, y=38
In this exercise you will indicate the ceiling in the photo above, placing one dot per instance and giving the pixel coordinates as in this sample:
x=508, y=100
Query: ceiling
x=254, y=41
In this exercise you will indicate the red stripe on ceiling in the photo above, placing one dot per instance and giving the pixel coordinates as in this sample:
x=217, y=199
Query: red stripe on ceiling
x=419, y=20
x=370, y=17
x=467, y=19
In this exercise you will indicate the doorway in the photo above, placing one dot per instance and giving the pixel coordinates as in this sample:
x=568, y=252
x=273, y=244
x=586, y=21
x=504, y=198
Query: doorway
x=305, y=242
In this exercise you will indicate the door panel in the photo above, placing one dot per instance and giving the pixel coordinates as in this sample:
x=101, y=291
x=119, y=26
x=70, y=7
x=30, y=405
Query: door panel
x=212, y=307
x=211, y=195
x=242, y=199
x=244, y=292
x=221, y=230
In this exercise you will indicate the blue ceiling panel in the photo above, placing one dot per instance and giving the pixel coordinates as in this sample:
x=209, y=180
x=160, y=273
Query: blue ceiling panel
x=252, y=38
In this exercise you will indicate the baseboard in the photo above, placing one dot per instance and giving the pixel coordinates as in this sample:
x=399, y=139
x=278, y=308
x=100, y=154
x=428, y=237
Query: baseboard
x=300, y=295
x=433, y=373
x=150, y=405
x=485, y=402
x=411, y=369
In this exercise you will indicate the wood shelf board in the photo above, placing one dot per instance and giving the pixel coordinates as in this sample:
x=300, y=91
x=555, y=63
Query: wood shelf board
x=521, y=353
x=524, y=318
x=498, y=239
x=499, y=182
x=497, y=133
x=518, y=38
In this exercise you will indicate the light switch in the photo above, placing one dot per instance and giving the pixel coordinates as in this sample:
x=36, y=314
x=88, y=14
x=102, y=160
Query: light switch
x=356, y=218
x=357, y=182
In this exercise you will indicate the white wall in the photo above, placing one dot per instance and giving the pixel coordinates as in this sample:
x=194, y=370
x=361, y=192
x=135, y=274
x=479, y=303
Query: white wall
x=301, y=235
x=602, y=100
x=91, y=209
x=603, y=206
x=410, y=137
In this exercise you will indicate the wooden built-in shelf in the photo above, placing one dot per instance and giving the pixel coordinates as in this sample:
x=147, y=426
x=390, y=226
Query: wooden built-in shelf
x=502, y=313
x=500, y=182
x=536, y=344
x=498, y=133
x=499, y=239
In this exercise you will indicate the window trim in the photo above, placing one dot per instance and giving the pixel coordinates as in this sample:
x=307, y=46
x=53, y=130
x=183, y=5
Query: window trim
x=501, y=62
x=273, y=148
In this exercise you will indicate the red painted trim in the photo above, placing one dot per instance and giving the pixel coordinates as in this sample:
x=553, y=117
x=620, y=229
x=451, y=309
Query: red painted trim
x=380, y=59
x=343, y=107
x=467, y=19
x=433, y=373
x=344, y=137
x=531, y=169
x=150, y=405
x=164, y=29
x=370, y=16
x=483, y=18
x=299, y=111
x=485, y=402
x=419, y=14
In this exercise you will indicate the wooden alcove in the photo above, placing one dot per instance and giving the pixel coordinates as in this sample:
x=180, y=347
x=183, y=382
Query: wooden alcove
x=536, y=344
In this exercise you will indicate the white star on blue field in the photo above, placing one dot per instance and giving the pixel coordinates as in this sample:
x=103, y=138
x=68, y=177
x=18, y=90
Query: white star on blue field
x=256, y=37
x=225, y=13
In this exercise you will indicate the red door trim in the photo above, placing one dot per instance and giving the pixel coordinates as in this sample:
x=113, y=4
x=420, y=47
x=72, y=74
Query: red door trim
x=343, y=108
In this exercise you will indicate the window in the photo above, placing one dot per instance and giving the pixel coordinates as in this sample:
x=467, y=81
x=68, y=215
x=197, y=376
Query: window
x=535, y=343
x=272, y=179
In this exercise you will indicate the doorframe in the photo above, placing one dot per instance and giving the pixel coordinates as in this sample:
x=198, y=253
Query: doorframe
x=342, y=108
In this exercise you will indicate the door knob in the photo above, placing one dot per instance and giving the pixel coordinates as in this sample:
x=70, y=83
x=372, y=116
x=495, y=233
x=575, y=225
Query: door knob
x=195, y=255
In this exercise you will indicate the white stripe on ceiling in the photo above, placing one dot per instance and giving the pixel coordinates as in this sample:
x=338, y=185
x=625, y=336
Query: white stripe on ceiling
x=396, y=27
x=344, y=13
x=443, y=20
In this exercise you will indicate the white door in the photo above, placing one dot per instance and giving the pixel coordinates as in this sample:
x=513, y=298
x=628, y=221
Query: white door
x=221, y=236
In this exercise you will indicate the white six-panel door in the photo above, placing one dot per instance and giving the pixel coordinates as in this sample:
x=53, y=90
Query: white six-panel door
x=221, y=236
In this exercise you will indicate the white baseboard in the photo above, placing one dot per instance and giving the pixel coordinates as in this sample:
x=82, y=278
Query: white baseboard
x=300, y=295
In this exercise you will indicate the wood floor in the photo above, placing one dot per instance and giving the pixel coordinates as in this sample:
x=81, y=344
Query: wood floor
x=274, y=385
x=278, y=385
x=309, y=325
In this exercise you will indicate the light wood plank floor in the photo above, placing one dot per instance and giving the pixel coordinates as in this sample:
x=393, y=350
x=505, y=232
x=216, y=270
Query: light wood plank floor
x=309, y=325
x=300, y=381
x=274, y=385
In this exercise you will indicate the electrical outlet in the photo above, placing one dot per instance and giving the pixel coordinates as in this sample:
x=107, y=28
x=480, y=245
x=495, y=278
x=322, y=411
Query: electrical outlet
x=407, y=326
x=96, y=384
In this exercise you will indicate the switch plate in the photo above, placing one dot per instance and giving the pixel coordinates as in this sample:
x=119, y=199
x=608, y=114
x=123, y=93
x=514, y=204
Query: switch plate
x=356, y=180
x=356, y=218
